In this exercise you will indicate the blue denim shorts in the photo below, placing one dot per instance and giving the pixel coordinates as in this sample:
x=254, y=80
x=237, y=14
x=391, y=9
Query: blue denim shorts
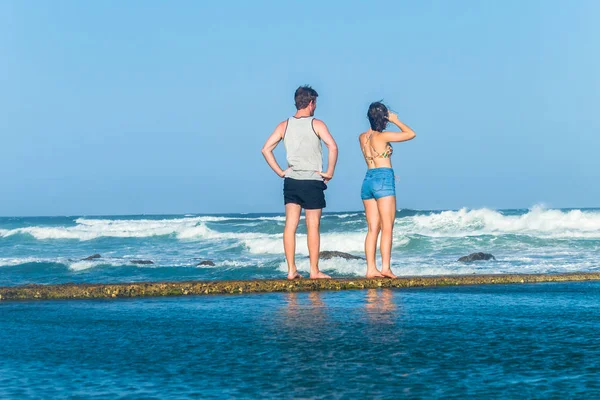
x=378, y=183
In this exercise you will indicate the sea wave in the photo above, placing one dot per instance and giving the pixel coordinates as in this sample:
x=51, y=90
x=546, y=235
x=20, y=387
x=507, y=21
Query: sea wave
x=345, y=242
x=413, y=266
x=72, y=264
x=89, y=229
x=537, y=222
x=82, y=264
x=406, y=265
x=14, y=261
x=421, y=266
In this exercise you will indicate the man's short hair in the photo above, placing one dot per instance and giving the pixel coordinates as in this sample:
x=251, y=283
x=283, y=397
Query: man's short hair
x=304, y=95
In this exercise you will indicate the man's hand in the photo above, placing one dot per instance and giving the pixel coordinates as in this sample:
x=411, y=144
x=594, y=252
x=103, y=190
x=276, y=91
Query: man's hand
x=326, y=177
x=284, y=172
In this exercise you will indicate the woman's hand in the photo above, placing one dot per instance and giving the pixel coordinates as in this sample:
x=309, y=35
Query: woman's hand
x=392, y=117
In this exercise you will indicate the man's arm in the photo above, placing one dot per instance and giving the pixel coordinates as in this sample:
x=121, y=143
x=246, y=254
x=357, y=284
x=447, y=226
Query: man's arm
x=321, y=130
x=270, y=144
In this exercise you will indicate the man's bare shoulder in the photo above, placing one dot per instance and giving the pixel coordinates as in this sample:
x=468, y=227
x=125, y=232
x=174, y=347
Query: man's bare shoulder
x=318, y=123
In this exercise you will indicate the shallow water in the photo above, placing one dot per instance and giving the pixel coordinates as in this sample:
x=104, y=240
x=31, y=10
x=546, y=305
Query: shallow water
x=505, y=341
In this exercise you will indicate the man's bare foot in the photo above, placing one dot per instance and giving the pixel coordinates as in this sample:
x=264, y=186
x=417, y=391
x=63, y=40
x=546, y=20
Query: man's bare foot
x=374, y=274
x=319, y=275
x=388, y=274
x=294, y=275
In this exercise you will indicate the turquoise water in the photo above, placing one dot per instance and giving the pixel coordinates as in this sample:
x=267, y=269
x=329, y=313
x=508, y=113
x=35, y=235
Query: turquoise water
x=249, y=246
x=519, y=341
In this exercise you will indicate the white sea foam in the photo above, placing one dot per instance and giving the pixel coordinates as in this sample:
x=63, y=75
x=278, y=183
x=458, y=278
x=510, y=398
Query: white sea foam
x=343, y=216
x=88, y=229
x=238, y=264
x=416, y=266
x=409, y=267
x=193, y=232
x=334, y=265
x=82, y=265
x=278, y=218
x=345, y=242
x=74, y=265
x=538, y=222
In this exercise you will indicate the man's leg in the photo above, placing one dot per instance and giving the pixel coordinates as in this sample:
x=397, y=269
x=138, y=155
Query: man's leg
x=313, y=224
x=292, y=217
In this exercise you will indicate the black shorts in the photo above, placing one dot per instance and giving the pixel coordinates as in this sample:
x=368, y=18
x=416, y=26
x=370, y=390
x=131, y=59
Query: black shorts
x=309, y=194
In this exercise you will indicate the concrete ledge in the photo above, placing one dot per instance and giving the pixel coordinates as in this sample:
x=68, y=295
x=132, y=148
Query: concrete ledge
x=187, y=288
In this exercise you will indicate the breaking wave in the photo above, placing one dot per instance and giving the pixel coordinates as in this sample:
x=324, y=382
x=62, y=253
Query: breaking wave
x=538, y=222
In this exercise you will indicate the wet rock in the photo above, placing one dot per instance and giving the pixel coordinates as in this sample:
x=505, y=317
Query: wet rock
x=328, y=255
x=142, y=262
x=477, y=257
x=207, y=263
x=92, y=257
x=145, y=289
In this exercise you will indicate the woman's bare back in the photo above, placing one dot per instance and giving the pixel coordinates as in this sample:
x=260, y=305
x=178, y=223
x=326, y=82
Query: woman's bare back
x=376, y=150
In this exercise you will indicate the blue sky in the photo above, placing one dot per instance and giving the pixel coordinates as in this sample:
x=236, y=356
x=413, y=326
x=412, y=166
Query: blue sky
x=162, y=107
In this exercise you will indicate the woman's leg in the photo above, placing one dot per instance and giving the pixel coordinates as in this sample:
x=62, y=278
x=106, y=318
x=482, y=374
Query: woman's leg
x=374, y=226
x=387, y=214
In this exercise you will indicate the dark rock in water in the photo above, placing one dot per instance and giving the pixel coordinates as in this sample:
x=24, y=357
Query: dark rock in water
x=208, y=263
x=143, y=262
x=477, y=257
x=328, y=255
x=92, y=257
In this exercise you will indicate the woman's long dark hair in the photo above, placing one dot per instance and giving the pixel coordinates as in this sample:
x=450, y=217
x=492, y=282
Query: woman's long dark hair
x=378, y=116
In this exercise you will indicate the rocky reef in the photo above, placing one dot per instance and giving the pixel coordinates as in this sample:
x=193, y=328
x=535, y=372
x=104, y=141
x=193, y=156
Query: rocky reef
x=151, y=289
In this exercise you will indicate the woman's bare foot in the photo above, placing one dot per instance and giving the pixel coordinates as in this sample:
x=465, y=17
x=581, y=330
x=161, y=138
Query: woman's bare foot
x=295, y=275
x=388, y=274
x=319, y=275
x=374, y=274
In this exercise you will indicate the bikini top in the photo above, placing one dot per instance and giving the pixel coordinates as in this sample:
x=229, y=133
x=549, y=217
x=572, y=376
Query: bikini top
x=387, y=153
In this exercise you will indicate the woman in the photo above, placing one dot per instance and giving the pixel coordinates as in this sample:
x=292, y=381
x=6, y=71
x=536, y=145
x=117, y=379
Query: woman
x=379, y=189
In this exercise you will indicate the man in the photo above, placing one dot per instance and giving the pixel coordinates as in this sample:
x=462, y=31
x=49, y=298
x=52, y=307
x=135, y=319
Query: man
x=304, y=179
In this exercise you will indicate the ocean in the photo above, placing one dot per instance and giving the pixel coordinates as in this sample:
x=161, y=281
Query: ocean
x=499, y=341
x=249, y=246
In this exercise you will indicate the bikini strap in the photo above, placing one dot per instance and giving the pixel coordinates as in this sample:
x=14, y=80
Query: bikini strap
x=375, y=152
x=368, y=158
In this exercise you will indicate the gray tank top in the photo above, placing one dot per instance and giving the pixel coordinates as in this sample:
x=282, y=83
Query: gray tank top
x=303, y=149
